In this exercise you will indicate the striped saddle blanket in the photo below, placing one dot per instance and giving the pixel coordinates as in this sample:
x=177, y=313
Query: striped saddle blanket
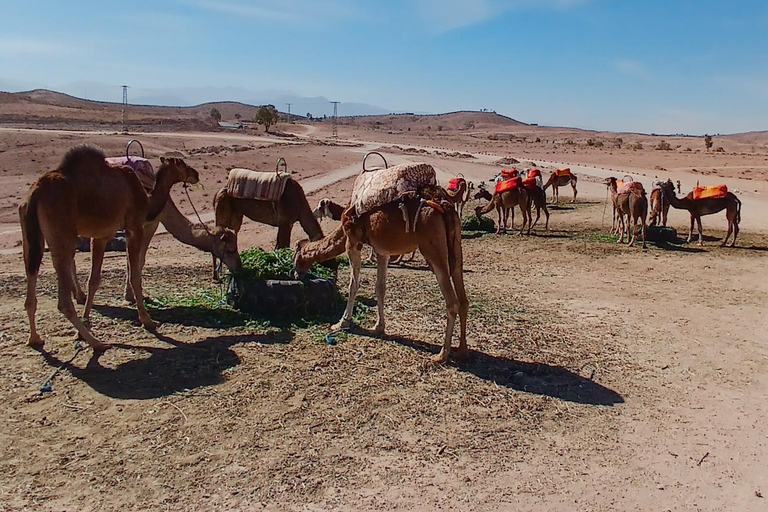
x=631, y=186
x=264, y=186
x=141, y=167
x=711, y=192
x=381, y=186
x=511, y=184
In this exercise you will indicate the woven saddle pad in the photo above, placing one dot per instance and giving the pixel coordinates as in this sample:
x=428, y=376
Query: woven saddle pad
x=379, y=187
x=631, y=186
x=264, y=186
x=141, y=167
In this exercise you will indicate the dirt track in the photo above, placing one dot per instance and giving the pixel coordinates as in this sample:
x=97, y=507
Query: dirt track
x=602, y=377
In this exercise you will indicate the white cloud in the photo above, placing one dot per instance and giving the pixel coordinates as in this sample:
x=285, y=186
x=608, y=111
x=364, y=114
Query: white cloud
x=447, y=15
x=19, y=47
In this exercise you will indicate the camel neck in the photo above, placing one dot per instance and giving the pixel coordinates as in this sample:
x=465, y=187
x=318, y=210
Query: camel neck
x=183, y=230
x=160, y=193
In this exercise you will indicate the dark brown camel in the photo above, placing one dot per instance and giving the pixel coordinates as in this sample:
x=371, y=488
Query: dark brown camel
x=699, y=207
x=504, y=204
x=659, y=207
x=556, y=181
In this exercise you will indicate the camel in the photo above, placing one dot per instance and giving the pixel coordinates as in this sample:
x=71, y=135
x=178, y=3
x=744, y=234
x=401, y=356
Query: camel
x=699, y=207
x=291, y=207
x=556, y=181
x=220, y=242
x=437, y=235
x=332, y=210
x=634, y=205
x=458, y=196
x=659, y=207
x=504, y=203
x=85, y=196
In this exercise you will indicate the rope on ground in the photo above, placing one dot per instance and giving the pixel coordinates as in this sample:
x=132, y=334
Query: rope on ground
x=329, y=338
x=46, y=386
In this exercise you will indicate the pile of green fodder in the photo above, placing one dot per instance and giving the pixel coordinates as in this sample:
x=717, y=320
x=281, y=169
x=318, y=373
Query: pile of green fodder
x=475, y=223
x=265, y=286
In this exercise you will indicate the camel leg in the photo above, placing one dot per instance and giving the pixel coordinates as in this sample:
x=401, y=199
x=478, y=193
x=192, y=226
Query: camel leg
x=735, y=222
x=284, y=235
x=439, y=264
x=701, y=233
x=63, y=265
x=632, y=236
x=573, y=186
x=355, y=261
x=621, y=228
x=690, y=231
x=546, y=217
x=644, y=226
x=79, y=294
x=30, y=304
x=499, y=212
x=146, y=239
x=382, y=260
x=538, y=216
x=134, y=242
x=98, y=248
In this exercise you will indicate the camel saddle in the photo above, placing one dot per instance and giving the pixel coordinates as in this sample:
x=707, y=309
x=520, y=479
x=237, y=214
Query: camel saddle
x=563, y=172
x=264, y=186
x=509, y=173
x=140, y=166
x=453, y=184
x=378, y=187
x=711, y=192
x=530, y=183
x=631, y=186
x=533, y=173
x=510, y=184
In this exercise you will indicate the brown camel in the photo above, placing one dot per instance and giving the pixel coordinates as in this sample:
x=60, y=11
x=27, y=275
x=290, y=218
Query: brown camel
x=437, y=235
x=85, y=196
x=332, y=210
x=505, y=203
x=556, y=181
x=458, y=196
x=220, y=242
x=699, y=207
x=633, y=204
x=291, y=207
x=659, y=207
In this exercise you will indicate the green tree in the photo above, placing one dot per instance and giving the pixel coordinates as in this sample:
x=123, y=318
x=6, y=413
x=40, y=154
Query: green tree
x=215, y=114
x=267, y=115
x=708, y=142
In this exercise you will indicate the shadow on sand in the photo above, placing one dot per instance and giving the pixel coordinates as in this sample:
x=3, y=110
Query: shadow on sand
x=536, y=378
x=181, y=367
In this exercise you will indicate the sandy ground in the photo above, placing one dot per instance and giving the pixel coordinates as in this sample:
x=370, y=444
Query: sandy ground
x=601, y=378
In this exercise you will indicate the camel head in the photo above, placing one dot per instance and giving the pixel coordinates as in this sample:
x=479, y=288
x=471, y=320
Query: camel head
x=610, y=182
x=482, y=193
x=225, y=247
x=667, y=188
x=179, y=170
x=322, y=209
x=478, y=210
x=301, y=265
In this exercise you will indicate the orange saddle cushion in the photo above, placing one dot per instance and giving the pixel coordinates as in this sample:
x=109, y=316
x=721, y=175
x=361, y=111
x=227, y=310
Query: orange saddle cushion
x=530, y=183
x=563, y=172
x=712, y=192
x=453, y=184
x=509, y=173
x=510, y=184
x=533, y=173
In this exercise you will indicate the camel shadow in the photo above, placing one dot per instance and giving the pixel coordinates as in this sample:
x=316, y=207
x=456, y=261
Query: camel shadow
x=190, y=316
x=181, y=367
x=751, y=248
x=535, y=378
x=676, y=246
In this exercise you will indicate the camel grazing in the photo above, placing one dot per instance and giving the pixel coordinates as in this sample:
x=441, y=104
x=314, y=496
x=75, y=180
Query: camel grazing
x=504, y=204
x=291, y=207
x=659, y=207
x=220, y=242
x=437, y=234
x=560, y=180
x=332, y=210
x=85, y=196
x=632, y=201
x=699, y=207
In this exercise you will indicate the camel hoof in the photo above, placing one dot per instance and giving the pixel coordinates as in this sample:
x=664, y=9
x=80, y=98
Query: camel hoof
x=35, y=341
x=130, y=300
x=150, y=325
x=462, y=354
x=440, y=358
x=378, y=330
x=80, y=298
x=341, y=324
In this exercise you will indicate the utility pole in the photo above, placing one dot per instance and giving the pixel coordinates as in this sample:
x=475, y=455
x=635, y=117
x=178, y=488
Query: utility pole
x=289, y=111
x=125, y=107
x=335, y=118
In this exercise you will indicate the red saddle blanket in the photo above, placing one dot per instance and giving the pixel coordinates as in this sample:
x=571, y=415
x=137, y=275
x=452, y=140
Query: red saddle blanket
x=712, y=192
x=453, y=184
x=530, y=183
x=533, y=173
x=509, y=173
x=509, y=184
x=631, y=186
x=563, y=172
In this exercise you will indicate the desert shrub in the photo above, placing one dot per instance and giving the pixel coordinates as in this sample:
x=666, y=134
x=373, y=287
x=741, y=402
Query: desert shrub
x=277, y=264
x=663, y=146
x=473, y=223
x=637, y=146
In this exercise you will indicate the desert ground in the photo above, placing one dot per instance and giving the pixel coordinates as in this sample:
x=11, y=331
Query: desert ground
x=601, y=377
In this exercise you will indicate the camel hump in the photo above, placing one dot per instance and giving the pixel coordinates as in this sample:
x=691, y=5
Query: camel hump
x=82, y=158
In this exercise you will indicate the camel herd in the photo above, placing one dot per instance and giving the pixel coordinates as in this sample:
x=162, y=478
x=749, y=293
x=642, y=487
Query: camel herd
x=88, y=196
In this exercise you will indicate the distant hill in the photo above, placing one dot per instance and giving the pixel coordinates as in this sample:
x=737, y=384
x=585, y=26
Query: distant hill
x=462, y=120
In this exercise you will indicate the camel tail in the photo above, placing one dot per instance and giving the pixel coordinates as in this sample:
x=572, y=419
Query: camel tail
x=32, y=236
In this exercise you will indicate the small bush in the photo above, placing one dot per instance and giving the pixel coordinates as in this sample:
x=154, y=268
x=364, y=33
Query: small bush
x=473, y=223
x=260, y=264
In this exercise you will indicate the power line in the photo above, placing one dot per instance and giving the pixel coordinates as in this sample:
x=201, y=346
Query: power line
x=289, y=111
x=335, y=118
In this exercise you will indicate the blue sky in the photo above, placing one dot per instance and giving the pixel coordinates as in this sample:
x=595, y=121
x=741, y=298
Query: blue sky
x=663, y=66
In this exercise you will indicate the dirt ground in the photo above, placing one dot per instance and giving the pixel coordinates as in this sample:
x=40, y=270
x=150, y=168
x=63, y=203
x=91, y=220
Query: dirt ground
x=601, y=377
